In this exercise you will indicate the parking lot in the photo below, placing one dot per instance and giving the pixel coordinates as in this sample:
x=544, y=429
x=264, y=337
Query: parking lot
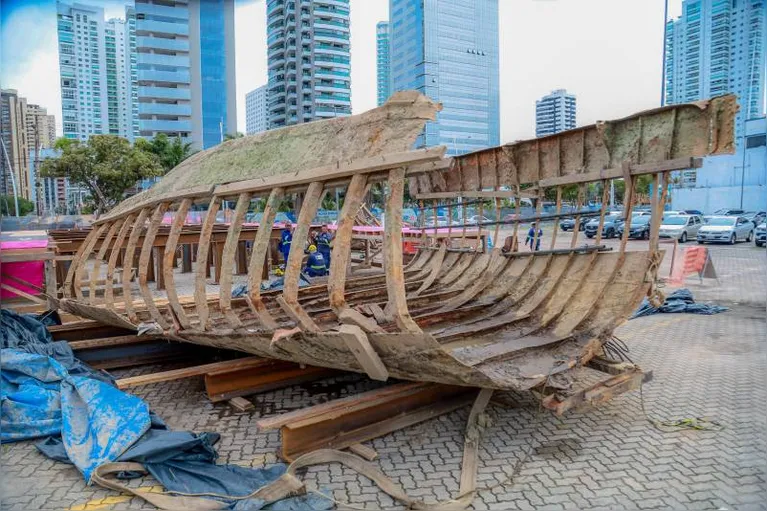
x=607, y=458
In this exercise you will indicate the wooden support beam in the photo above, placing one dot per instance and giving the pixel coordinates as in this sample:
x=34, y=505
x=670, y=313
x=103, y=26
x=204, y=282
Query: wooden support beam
x=345, y=422
x=599, y=393
x=289, y=298
x=395, y=276
x=227, y=260
x=248, y=363
x=258, y=259
x=144, y=263
x=86, y=329
x=339, y=170
x=224, y=384
x=167, y=263
x=203, y=248
x=363, y=351
x=618, y=172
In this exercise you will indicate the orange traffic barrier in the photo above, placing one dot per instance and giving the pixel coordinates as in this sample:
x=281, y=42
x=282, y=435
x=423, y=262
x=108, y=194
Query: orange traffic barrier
x=693, y=261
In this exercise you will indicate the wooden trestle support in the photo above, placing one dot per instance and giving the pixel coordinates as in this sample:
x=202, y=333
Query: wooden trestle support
x=457, y=316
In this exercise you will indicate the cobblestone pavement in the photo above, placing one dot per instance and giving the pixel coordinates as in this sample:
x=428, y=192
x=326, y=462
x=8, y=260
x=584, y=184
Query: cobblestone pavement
x=607, y=458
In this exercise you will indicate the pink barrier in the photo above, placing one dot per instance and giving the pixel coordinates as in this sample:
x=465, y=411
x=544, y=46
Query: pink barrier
x=29, y=271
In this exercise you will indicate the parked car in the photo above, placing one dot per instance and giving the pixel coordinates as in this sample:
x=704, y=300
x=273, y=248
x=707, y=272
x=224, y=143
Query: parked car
x=568, y=224
x=691, y=212
x=760, y=238
x=640, y=213
x=755, y=217
x=477, y=219
x=609, y=229
x=728, y=212
x=681, y=227
x=726, y=229
x=638, y=228
x=442, y=221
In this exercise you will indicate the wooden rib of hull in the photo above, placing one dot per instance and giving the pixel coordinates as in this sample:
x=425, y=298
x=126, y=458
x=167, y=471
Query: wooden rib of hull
x=455, y=315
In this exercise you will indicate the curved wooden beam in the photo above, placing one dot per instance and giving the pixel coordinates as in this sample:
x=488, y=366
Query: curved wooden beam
x=113, y=256
x=227, y=259
x=203, y=248
x=145, y=259
x=395, y=276
x=167, y=263
x=289, y=299
x=258, y=257
x=99, y=257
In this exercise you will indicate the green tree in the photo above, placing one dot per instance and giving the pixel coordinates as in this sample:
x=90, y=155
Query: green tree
x=232, y=136
x=106, y=165
x=8, y=206
x=169, y=152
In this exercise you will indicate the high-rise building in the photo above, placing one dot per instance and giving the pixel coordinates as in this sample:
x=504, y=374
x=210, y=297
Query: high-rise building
x=97, y=69
x=41, y=127
x=82, y=67
x=717, y=47
x=383, y=62
x=554, y=112
x=186, y=80
x=309, y=60
x=255, y=111
x=14, y=148
x=448, y=50
x=120, y=69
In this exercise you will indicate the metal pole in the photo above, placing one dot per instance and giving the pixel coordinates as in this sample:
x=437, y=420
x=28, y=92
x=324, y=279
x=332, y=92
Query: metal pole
x=13, y=178
x=743, y=170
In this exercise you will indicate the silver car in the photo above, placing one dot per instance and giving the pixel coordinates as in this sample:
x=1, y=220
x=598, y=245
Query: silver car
x=726, y=229
x=681, y=227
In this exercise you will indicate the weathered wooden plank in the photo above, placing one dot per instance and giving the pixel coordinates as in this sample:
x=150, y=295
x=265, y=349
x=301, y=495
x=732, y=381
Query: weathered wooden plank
x=289, y=298
x=203, y=249
x=227, y=259
x=395, y=276
x=130, y=251
x=113, y=256
x=258, y=259
x=189, y=372
x=144, y=262
x=167, y=263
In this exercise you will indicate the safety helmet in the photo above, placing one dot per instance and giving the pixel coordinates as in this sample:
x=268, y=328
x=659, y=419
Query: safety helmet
x=312, y=248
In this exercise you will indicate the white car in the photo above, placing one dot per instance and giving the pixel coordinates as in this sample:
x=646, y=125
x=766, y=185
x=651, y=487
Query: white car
x=681, y=227
x=726, y=229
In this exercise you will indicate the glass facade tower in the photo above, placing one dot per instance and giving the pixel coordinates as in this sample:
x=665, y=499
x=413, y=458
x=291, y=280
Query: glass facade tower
x=382, y=63
x=448, y=50
x=186, y=69
x=309, y=60
x=717, y=47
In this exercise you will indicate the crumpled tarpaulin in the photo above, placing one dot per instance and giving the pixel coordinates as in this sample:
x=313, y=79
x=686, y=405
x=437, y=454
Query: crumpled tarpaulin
x=680, y=300
x=39, y=397
x=46, y=392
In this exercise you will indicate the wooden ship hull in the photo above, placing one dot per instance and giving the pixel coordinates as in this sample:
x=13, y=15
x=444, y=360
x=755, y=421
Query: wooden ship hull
x=457, y=313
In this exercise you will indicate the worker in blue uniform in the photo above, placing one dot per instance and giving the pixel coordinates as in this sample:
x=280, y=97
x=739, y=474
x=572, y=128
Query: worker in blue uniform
x=286, y=239
x=315, y=265
x=323, y=244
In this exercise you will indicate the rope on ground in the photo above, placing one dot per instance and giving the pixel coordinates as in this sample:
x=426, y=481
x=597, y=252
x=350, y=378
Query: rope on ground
x=619, y=350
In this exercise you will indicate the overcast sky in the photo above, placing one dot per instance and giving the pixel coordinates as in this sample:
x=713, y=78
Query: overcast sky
x=606, y=52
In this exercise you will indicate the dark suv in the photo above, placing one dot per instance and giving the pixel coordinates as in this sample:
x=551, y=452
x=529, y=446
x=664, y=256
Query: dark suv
x=610, y=229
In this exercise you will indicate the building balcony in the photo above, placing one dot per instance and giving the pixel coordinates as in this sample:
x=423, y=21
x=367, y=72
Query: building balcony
x=331, y=25
x=164, y=125
x=325, y=11
x=164, y=93
x=148, y=75
x=331, y=50
x=162, y=27
x=331, y=38
x=329, y=74
x=335, y=3
x=178, y=11
x=276, y=62
x=331, y=88
x=163, y=60
x=164, y=109
x=162, y=43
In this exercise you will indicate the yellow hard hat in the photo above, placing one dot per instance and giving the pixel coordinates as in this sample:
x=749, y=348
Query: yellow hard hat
x=312, y=248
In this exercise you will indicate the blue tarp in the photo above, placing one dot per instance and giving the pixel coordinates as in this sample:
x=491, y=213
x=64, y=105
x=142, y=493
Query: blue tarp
x=96, y=421
x=46, y=392
x=679, y=301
